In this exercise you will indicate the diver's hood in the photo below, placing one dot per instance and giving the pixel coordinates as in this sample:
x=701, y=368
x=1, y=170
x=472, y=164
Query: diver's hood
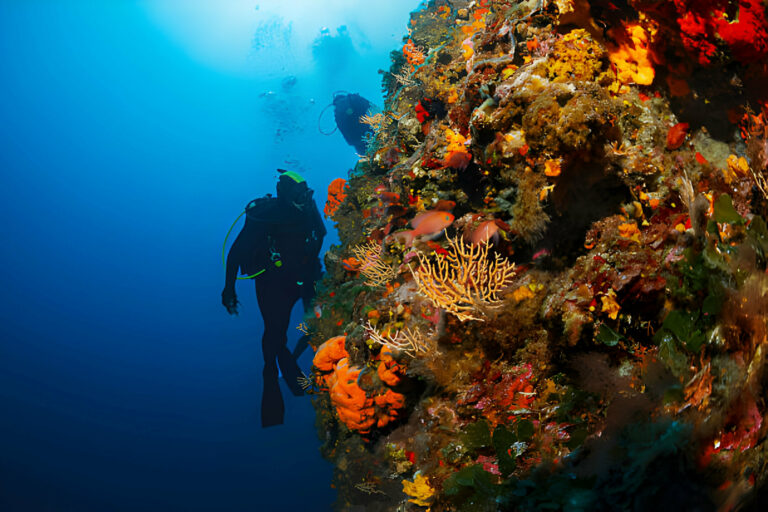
x=294, y=192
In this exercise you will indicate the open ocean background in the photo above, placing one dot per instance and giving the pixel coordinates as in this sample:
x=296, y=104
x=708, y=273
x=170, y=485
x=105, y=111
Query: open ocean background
x=132, y=134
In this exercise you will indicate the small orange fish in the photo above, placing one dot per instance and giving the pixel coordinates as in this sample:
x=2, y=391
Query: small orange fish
x=430, y=222
x=484, y=232
x=503, y=225
x=445, y=205
x=396, y=210
x=389, y=197
x=378, y=211
x=385, y=195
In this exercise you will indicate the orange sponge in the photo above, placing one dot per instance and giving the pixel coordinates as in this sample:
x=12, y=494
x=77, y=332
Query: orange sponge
x=330, y=353
x=389, y=405
x=389, y=371
x=354, y=407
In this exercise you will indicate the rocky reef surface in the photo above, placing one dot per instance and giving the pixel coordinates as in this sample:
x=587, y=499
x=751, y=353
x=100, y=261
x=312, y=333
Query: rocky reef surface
x=551, y=289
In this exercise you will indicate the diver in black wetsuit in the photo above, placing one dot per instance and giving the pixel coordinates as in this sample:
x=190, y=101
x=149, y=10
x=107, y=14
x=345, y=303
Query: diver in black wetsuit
x=347, y=110
x=278, y=247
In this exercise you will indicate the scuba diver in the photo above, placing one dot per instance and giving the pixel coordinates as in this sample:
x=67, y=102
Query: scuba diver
x=278, y=248
x=347, y=110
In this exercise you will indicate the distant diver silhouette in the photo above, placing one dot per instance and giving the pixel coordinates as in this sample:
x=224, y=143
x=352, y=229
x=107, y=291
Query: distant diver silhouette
x=278, y=248
x=347, y=111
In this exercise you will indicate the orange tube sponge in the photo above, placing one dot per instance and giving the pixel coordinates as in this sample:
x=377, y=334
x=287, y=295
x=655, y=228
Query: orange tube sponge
x=354, y=407
x=389, y=405
x=336, y=195
x=389, y=371
x=330, y=353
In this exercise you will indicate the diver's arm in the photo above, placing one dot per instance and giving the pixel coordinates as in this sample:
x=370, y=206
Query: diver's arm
x=232, y=266
x=236, y=255
x=318, y=226
x=228, y=295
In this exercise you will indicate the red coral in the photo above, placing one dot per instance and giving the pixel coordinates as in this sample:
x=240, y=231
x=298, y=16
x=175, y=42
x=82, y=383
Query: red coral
x=743, y=426
x=490, y=464
x=740, y=431
x=676, y=135
x=696, y=32
x=747, y=36
x=703, y=22
x=421, y=113
x=502, y=396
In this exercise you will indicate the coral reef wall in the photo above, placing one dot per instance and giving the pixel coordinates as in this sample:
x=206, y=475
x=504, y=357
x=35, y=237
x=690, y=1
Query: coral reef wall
x=551, y=287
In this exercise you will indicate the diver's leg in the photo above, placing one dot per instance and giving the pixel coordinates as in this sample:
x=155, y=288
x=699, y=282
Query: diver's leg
x=300, y=347
x=307, y=292
x=275, y=311
x=286, y=360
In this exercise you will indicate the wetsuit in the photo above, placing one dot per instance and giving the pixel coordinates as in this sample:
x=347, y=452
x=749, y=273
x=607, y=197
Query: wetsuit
x=284, y=241
x=348, y=109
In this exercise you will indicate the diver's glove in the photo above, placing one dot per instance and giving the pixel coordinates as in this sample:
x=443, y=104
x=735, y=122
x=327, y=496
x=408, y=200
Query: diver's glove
x=229, y=300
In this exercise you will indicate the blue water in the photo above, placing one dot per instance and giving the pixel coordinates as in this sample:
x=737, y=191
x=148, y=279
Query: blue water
x=127, y=148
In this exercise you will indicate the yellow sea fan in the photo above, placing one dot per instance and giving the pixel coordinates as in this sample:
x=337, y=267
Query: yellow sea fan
x=466, y=281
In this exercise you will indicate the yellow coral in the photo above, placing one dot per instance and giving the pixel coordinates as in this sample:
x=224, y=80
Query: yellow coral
x=508, y=71
x=552, y=168
x=419, y=490
x=522, y=293
x=456, y=141
x=576, y=56
x=630, y=56
x=467, y=50
x=629, y=230
x=610, y=305
x=739, y=165
x=456, y=154
x=477, y=24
